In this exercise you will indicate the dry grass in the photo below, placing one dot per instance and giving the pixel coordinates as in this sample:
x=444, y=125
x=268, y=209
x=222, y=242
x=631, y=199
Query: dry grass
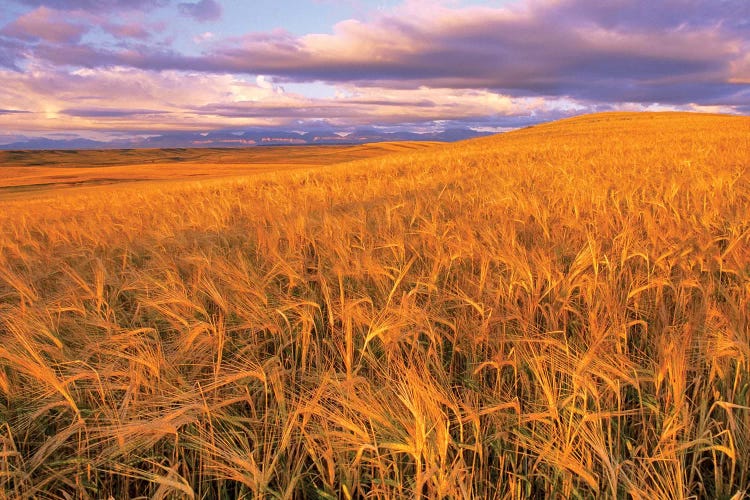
x=37, y=172
x=561, y=311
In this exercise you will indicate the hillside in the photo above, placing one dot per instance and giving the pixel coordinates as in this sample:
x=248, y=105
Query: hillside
x=559, y=311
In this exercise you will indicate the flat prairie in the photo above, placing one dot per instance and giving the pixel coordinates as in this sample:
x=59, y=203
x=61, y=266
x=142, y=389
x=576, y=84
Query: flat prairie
x=30, y=171
x=561, y=311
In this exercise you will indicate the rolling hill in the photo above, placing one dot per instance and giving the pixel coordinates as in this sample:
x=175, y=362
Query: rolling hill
x=559, y=311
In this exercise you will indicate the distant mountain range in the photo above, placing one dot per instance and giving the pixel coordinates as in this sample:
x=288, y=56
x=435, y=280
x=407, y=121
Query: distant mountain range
x=255, y=137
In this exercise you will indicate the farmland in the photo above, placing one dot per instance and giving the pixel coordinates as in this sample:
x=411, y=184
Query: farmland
x=559, y=311
x=39, y=171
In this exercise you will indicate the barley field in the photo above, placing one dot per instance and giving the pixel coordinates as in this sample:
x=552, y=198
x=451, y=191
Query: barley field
x=31, y=173
x=561, y=311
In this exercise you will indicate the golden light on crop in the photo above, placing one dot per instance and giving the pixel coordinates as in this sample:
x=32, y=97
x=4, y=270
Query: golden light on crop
x=560, y=311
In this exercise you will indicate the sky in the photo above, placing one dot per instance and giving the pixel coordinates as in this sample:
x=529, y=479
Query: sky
x=117, y=69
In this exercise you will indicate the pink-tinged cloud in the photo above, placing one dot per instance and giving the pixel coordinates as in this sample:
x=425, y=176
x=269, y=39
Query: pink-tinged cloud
x=139, y=100
x=97, y=5
x=680, y=52
x=421, y=63
x=741, y=70
x=45, y=24
x=203, y=10
x=563, y=48
x=136, y=31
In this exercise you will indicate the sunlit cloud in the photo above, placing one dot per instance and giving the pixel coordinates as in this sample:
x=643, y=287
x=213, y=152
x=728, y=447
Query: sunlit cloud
x=128, y=30
x=204, y=37
x=45, y=24
x=140, y=100
x=416, y=63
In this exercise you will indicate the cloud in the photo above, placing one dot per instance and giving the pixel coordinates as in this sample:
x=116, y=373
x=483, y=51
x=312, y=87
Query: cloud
x=45, y=24
x=741, y=70
x=140, y=100
x=382, y=106
x=130, y=30
x=122, y=98
x=9, y=52
x=96, y=5
x=566, y=48
x=108, y=112
x=204, y=10
x=204, y=37
x=419, y=63
x=640, y=16
x=683, y=51
x=264, y=82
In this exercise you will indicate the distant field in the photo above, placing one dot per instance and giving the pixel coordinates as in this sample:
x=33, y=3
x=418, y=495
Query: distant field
x=23, y=171
x=561, y=311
